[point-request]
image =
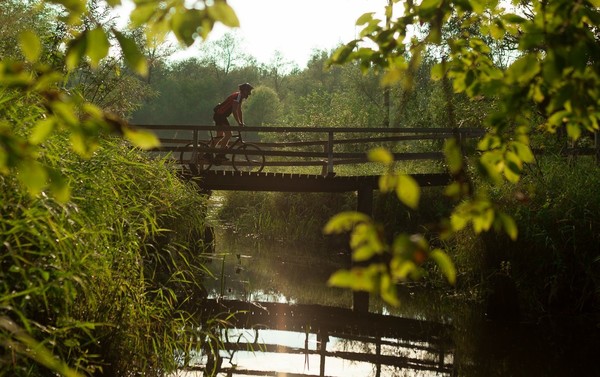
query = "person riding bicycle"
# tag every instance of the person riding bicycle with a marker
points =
(231, 105)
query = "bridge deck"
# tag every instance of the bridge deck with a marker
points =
(288, 182)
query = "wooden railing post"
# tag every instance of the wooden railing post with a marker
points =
(330, 154)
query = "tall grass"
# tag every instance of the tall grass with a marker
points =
(290, 217)
(555, 261)
(102, 281)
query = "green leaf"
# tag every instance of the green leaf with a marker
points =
(186, 25)
(365, 242)
(76, 51)
(402, 268)
(522, 151)
(408, 191)
(365, 18)
(388, 182)
(429, 5)
(30, 45)
(358, 278)
(573, 130)
(478, 6)
(134, 58)
(342, 53)
(513, 18)
(59, 186)
(445, 264)
(387, 290)
(345, 221)
(509, 225)
(453, 156)
(140, 138)
(459, 220)
(142, 14)
(33, 175)
(512, 167)
(381, 155)
(42, 130)
(524, 69)
(483, 221)
(97, 46)
(222, 12)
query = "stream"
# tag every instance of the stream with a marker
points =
(292, 279)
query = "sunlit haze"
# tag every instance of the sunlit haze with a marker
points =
(291, 27)
(296, 28)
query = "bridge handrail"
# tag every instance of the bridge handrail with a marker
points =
(328, 155)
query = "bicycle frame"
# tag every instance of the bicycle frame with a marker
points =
(244, 156)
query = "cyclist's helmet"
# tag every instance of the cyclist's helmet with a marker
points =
(246, 86)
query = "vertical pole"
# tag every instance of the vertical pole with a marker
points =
(364, 205)
(330, 154)
(323, 350)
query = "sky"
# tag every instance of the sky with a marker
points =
(295, 27)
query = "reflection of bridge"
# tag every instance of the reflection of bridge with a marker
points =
(386, 343)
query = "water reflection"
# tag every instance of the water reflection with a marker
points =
(247, 270)
(302, 340)
(302, 327)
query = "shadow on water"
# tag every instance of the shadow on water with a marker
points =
(289, 323)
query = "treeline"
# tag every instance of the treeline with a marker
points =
(185, 92)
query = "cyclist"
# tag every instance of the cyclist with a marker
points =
(231, 105)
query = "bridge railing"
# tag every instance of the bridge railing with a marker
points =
(323, 147)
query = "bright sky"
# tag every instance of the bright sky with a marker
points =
(296, 27)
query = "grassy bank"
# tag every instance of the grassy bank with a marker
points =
(101, 281)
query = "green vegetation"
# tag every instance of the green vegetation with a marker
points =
(95, 273)
(99, 269)
(103, 279)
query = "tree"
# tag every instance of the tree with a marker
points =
(87, 40)
(225, 55)
(553, 77)
(262, 107)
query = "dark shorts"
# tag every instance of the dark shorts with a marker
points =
(221, 120)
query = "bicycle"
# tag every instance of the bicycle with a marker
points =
(245, 156)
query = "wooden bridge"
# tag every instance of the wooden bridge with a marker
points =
(319, 161)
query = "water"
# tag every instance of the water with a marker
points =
(464, 343)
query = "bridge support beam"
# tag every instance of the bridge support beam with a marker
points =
(360, 300)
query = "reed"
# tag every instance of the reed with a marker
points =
(105, 281)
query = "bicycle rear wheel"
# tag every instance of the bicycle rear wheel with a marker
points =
(197, 161)
(249, 158)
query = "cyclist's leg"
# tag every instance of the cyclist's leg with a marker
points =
(223, 132)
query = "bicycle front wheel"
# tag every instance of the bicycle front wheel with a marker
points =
(249, 158)
(197, 161)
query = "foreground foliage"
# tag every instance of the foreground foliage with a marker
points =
(94, 277)
(101, 280)
(547, 85)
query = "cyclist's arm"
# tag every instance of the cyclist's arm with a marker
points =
(237, 113)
